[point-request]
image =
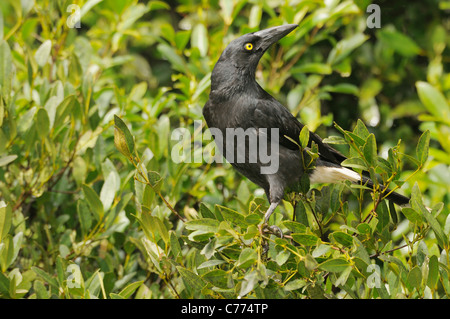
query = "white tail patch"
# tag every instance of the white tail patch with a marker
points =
(326, 174)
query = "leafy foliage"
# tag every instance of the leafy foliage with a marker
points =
(93, 204)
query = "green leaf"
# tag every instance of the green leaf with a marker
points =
(42, 123)
(41, 292)
(418, 206)
(6, 65)
(305, 239)
(318, 68)
(123, 140)
(295, 284)
(423, 146)
(130, 289)
(84, 217)
(344, 47)
(414, 278)
(334, 265)
(412, 215)
(43, 53)
(370, 150)
(47, 278)
(217, 277)
(383, 216)
(153, 226)
(176, 61)
(175, 245)
(93, 201)
(199, 38)
(433, 100)
(355, 162)
(233, 216)
(4, 286)
(304, 137)
(205, 212)
(342, 238)
(205, 224)
(294, 227)
(300, 214)
(247, 257)
(282, 257)
(191, 279)
(399, 42)
(5, 219)
(211, 263)
(433, 272)
(108, 191)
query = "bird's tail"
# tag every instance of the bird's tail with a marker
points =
(333, 173)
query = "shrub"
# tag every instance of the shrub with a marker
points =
(92, 204)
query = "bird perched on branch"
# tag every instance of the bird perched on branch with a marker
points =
(257, 134)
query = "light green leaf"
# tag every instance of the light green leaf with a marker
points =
(5, 219)
(399, 42)
(370, 150)
(5, 160)
(41, 292)
(205, 224)
(433, 100)
(130, 289)
(43, 53)
(233, 216)
(123, 140)
(6, 65)
(108, 192)
(319, 68)
(344, 47)
(412, 215)
(354, 162)
(199, 38)
(423, 146)
(42, 123)
(247, 257)
(304, 137)
(295, 284)
(282, 257)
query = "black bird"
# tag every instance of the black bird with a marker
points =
(237, 101)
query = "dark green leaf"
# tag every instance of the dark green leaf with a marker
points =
(93, 201)
(205, 224)
(305, 239)
(423, 147)
(217, 277)
(123, 139)
(342, 238)
(334, 265)
(233, 216)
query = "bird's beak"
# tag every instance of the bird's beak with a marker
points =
(272, 35)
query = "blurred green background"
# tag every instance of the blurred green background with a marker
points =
(68, 197)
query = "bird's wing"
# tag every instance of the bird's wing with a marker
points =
(269, 113)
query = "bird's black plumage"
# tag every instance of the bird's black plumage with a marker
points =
(237, 101)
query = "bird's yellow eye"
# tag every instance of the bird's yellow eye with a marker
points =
(248, 46)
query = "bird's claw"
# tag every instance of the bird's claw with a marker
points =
(272, 229)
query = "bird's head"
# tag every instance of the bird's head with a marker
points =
(244, 53)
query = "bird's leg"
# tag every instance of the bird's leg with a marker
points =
(274, 229)
(270, 211)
